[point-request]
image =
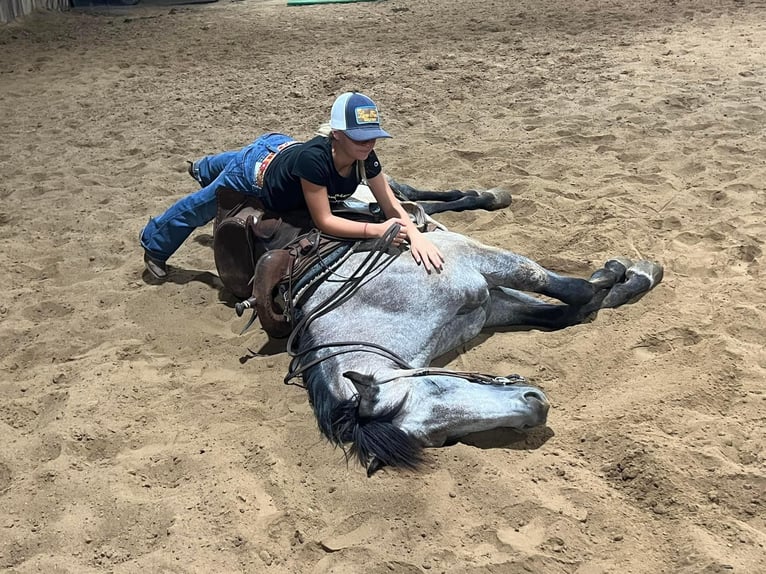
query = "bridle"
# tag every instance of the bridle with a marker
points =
(379, 257)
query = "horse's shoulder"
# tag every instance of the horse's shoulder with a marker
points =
(453, 241)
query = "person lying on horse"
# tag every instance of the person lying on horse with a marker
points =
(287, 175)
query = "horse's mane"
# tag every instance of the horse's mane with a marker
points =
(374, 442)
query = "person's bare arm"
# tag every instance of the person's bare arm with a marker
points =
(319, 208)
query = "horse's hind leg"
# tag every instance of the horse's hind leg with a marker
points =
(409, 193)
(491, 200)
(453, 200)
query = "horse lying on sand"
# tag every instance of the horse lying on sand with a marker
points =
(364, 334)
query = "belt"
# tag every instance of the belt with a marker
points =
(260, 167)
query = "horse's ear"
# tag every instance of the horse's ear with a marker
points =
(359, 378)
(367, 390)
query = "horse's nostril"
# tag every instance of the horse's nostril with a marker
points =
(534, 395)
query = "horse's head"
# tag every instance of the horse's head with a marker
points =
(444, 407)
(419, 408)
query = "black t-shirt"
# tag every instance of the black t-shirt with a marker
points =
(312, 161)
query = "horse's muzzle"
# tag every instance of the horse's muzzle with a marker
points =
(539, 406)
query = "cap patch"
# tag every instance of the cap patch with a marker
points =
(366, 115)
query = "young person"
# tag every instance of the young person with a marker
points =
(288, 175)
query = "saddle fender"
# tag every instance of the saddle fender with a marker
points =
(232, 248)
(270, 270)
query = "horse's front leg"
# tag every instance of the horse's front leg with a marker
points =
(509, 307)
(618, 282)
(506, 269)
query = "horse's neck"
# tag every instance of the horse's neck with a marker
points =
(342, 374)
(386, 312)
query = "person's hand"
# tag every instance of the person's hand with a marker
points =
(379, 230)
(426, 253)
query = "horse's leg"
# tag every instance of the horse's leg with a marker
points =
(452, 200)
(409, 193)
(640, 277)
(491, 200)
(509, 307)
(618, 282)
(507, 269)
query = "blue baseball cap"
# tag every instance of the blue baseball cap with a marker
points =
(357, 116)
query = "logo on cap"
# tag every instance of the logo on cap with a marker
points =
(366, 115)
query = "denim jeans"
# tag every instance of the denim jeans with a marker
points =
(163, 235)
(205, 170)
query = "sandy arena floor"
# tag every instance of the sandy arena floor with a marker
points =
(137, 438)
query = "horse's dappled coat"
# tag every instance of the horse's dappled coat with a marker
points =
(365, 399)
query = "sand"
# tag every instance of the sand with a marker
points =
(138, 432)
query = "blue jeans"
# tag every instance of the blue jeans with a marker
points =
(235, 170)
(205, 170)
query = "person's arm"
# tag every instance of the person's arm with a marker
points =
(423, 251)
(319, 208)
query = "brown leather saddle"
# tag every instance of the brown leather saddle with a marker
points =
(284, 277)
(243, 231)
(258, 253)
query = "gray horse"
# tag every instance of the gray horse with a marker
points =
(365, 337)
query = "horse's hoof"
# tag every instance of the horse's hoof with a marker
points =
(611, 273)
(605, 278)
(640, 278)
(649, 269)
(619, 266)
(497, 198)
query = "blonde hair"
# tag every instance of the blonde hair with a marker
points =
(324, 130)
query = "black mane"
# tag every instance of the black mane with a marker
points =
(374, 442)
